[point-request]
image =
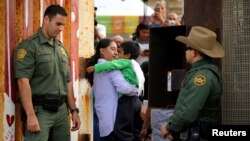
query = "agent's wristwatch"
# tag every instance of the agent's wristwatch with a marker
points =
(75, 110)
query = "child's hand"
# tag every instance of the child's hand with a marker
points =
(90, 69)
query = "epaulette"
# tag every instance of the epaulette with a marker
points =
(59, 42)
(32, 37)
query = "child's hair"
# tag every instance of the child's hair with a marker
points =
(131, 47)
(103, 43)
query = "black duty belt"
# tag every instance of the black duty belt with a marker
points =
(40, 100)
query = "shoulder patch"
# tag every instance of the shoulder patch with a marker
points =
(63, 51)
(199, 80)
(21, 53)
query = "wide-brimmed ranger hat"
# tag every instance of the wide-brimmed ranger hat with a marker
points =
(204, 41)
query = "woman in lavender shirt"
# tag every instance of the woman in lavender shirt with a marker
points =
(106, 86)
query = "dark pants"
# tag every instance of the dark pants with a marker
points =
(138, 122)
(128, 120)
(110, 137)
(54, 125)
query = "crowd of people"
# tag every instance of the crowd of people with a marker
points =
(118, 73)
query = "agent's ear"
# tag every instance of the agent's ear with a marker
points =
(195, 53)
(46, 19)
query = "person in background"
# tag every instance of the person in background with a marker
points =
(99, 29)
(198, 102)
(141, 36)
(44, 82)
(106, 86)
(173, 19)
(158, 19)
(118, 39)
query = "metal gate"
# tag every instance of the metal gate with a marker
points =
(236, 63)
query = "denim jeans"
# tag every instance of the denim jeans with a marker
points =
(158, 117)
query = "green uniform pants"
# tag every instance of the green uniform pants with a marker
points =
(53, 124)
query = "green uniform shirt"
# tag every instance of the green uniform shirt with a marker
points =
(44, 62)
(199, 97)
(124, 65)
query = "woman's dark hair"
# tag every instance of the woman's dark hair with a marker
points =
(132, 48)
(141, 26)
(103, 43)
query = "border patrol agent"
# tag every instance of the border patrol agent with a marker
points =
(43, 78)
(198, 103)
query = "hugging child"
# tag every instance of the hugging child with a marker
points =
(128, 120)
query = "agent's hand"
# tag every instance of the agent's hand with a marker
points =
(90, 69)
(76, 121)
(164, 132)
(33, 124)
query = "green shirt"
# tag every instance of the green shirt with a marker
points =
(124, 65)
(199, 97)
(44, 62)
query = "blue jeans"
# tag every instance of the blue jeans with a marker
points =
(158, 117)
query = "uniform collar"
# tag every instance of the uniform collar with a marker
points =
(43, 39)
(201, 62)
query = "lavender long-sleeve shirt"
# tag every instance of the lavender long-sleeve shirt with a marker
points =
(106, 87)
